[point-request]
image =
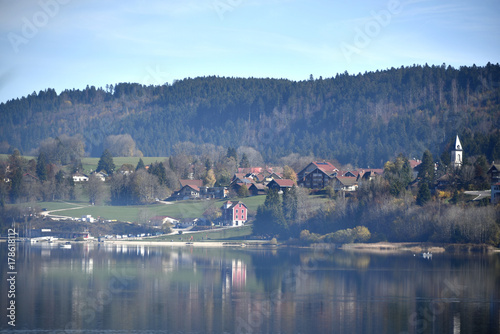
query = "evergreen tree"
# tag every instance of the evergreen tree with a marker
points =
(270, 219)
(106, 163)
(398, 173)
(159, 170)
(290, 204)
(41, 167)
(426, 169)
(140, 165)
(15, 185)
(244, 163)
(424, 194)
(208, 164)
(231, 153)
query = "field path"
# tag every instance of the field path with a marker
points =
(49, 212)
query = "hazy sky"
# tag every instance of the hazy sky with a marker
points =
(65, 44)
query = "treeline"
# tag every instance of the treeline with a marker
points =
(362, 119)
(49, 176)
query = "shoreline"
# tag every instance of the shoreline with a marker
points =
(379, 247)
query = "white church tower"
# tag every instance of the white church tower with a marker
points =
(457, 154)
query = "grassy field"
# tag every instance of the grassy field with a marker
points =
(179, 210)
(91, 163)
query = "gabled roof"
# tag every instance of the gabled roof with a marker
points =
(260, 177)
(414, 163)
(349, 173)
(250, 170)
(275, 175)
(195, 188)
(161, 218)
(346, 180)
(377, 171)
(232, 205)
(197, 183)
(325, 166)
(494, 167)
(258, 186)
(239, 176)
(282, 183)
(30, 175)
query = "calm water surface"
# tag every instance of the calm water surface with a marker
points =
(151, 289)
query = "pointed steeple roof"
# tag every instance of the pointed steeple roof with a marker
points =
(458, 145)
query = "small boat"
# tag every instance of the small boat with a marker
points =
(66, 245)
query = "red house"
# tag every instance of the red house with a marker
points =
(234, 213)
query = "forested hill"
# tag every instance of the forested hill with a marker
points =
(360, 119)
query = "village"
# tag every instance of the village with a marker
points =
(315, 176)
(318, 178)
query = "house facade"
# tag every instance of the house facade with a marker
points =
(316, 175)
(494, 173)
(188, 192)
(495, 193)
(234, 213)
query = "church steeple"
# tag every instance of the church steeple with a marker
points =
(457, 153)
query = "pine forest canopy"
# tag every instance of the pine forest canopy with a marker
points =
(363, 119)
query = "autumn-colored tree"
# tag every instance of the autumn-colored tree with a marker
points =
(289, 173)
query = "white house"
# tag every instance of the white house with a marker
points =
(80, 178)
(88, 219)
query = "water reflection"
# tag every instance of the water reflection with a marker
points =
(100, 287)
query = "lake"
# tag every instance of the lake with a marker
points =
(151, 289)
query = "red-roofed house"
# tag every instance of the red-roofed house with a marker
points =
(188, 191)
(414, 167)
(281, 184)
(345, 183)
(197, 183)
(316, 175)
(234, 213)
(369, 174)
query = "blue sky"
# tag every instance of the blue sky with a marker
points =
(66, 44)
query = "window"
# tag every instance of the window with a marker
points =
(236, 210)
(236, 216)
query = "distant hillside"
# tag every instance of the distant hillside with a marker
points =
(359, 119)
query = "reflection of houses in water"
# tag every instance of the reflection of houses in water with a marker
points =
(234, 277)
(238, 273)
(88, 265)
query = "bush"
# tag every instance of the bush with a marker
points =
(357, 234)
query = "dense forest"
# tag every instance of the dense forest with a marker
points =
(365, 119)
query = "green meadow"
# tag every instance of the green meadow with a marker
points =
(180, 210)
(90, 164)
